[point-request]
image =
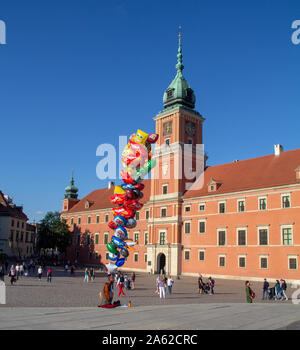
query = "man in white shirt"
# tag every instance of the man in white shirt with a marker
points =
(170, 283)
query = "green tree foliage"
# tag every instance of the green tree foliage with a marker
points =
(54, 233)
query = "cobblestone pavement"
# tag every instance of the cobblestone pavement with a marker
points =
(71, 291)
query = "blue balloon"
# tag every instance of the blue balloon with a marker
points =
(131, 223)
(117, 241)
(114, 257)
(119, 220)
(120, 262)
(127, 187)
(121, 232)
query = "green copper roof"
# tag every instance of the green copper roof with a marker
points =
(71, 191)
(179, 91)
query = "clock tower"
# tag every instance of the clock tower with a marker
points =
(179, 156)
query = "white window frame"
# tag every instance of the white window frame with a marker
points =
(166, 240)
(264, 257)
(222, 202)
(147, 211)
(293, 257)
(218, 230)
(162, 187)
(290, 199)
(242, 256)
(97, 219)
(136, 233)
(96, 234)
(201, 220)
(146, 233)
(145, 257)
(237, 204)
(187, 222)
(89, 219)
(187, 206)
(281, 229)
(200, 204)
(106, 214)
(135, 254)
(105, 234)
(161, 209)
(189, 251)
(258, 203)
(222, 256)
(199, 251)
(258, 240)
(241, 228)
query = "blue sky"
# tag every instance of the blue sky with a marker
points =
(75, 74)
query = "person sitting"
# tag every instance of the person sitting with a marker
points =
(105, 295)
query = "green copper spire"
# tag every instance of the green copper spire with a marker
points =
(71, 191)
(179, 92)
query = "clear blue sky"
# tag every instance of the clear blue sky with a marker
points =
(78, 73)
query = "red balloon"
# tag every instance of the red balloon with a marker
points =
(127, 213)
(118, 198)
(139, 186)
(112, 225)
(132, 205)
(126, 178)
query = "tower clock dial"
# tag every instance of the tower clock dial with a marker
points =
(167, 128)
(190, 128)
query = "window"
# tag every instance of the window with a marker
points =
(165, 189)
(147, 214)
(201, 207)
(17, 235)
(186, 255)
(212, 187)
(167, 141)
(79, 220)
(97, 219)
(106, 217)
(162, 238)
(287, 236)
(221, 237)
(187, 209)
(72, 221)
(22, 224)
(202, 226)
(105, 238)
(145, 258)
(26, 237)
(96, 238)
(241, 206)
(11, 235)
(187, 227)
(22, 235)
(106, 256)
(242, 261)
(190, 141)
(146, 238)
(136, 236)
(97, 255)
(262, 203)
(136, 257)
(222, 261)
(89, 220)
(12, 222)
(18, 224)
(241, 237)
(163, 212)
(222, 207)
(286, 202)
(201, 255)
(263, 236)
(293, 263)
(263, 262)
(137, 215)
(169, 94)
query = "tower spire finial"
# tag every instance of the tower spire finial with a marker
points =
(179, 65)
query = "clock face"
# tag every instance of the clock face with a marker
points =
(190, 128)
(167, 128)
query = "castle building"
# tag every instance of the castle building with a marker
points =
(241, 222)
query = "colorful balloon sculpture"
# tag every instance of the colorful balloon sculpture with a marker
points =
(137, 163)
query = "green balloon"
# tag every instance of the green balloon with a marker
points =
(111, 247)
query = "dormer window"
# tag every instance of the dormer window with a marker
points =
(297, 170)
(87, 204)
(213, 185)
(170, 94)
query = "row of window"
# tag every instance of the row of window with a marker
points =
(17, 223)
(136, 237)
(19, 236)
(241, 204)
(263, 234)
(263, 260)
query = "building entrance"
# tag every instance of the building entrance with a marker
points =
(161, 264)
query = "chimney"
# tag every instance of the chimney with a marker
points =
(277, 150)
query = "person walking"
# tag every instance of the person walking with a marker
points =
(66, 268)
(49, 275)
(211, 285)
(21, 267)
(170, 283)
(277, 290)
(72, 270)
(40, 272)
(132, 280)
(162, 288)
(200, 284)
(12, 274)
(121, 285)
(17, 271)
(265, 289)
(249, 293)
(283, 287)
(157, 287)
(86, 275)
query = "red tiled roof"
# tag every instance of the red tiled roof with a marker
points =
(255, 173)
(7, 210)
(99, 199)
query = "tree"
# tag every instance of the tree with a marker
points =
(54, 233)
